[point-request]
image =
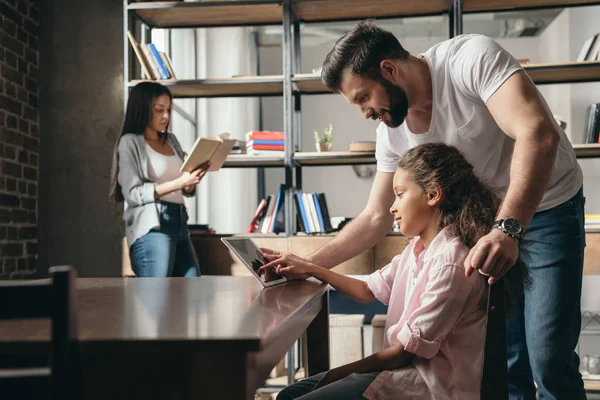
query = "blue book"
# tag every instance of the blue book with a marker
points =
(271, 142)
(303, 212)
(319, 213)
(162, 68)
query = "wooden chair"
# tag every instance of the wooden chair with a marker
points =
(494, 381)
(54, 298)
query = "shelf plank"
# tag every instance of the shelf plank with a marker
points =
(334, 10)
(309, 84)
(272, 85)
(224, 87)
(572, 72)
(176, 14)
(591, 385)
(508, 5)
(334, 158)
(252, 161)
(588, 150)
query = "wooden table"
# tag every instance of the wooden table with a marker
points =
(199, 338)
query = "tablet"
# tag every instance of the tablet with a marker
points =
(251, 256)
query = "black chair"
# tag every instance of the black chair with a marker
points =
(494, 382)
(54, 298)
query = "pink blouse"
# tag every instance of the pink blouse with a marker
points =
(436, 313)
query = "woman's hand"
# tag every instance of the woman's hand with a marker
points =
(188, 180)
(287, 264)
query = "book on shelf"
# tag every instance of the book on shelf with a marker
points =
(213, 149)
(592, 126)
(590, 49)
(362, 146)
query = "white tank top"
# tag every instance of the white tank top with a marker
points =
(162, 168)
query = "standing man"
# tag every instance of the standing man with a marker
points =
(471, 93)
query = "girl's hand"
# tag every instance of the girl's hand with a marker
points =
(287, 264)
(188, 180)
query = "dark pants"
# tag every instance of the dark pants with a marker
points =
(349, 388)
(541, 341)
(166, 251)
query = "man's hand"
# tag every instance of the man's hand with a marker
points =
(492, 255)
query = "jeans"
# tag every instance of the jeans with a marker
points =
(166, 251)
(349, 388)
(541, 340)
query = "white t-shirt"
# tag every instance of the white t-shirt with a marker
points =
(465, 71)
(162, 168)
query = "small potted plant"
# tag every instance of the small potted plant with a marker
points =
(324, 143)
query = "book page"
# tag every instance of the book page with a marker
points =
(202, 151)
(218, 159)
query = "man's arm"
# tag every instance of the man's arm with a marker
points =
(365, 230)
(520, 113)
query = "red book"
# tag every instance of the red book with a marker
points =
(257, 214)
(268, 147)
(264, 135)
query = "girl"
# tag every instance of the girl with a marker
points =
(146, 176)
(435, 328)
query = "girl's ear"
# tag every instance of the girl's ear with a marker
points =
(434, 196)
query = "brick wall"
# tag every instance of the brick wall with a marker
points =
(19, 137)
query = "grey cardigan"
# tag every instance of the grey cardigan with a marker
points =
(141, 208)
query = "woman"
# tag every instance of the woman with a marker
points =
(145, 175)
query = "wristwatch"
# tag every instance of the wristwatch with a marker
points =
(510, 226)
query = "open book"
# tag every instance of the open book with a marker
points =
(213, 149)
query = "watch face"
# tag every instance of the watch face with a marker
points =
(512, 226)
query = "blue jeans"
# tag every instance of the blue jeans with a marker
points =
(349, 388)
(166, 251)
(541, 340)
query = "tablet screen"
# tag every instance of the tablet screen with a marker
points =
(251, 255)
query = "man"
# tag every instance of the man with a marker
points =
(471, 93)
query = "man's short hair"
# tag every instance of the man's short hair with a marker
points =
(360, 51)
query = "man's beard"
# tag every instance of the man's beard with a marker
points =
(398, 103)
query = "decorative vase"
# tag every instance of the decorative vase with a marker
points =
(326, 146)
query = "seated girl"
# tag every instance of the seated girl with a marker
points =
(435, 328)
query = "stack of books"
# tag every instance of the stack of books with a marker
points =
(265, 143)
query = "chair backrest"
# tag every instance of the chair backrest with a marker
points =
(494, 382)
(54, 298)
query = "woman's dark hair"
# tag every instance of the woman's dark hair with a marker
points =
(467, 205)
(360, 51)
(137, 117)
